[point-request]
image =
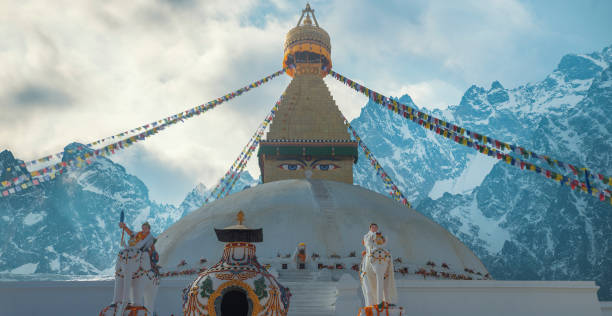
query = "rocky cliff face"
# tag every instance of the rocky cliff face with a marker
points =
(522, 225)
(69, 225)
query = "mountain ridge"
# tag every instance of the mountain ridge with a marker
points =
(520, 224)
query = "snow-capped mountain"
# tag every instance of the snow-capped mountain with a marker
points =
(69, 225)
(520, 224)
(196, 198)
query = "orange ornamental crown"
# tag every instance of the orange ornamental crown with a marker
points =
(307, 47)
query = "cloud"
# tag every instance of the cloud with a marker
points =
(408, 42)
(123, 64)
(348, 100)
(39, 95)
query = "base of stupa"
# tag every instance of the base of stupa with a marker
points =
(418, 297)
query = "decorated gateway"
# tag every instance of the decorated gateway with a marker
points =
(237, 284)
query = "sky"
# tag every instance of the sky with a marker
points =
(83, 70)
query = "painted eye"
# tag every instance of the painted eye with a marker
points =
(326, 166)
(290, 166)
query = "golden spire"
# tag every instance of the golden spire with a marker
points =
(308, 138)
(307, 20)
(240, 217)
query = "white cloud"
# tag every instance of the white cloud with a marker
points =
(124, 64)
(348, 100)
(466, 42)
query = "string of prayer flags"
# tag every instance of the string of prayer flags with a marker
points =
(147, 130)
(522, 164)
(51, 172)
(431, 122)
(497, 149)
(227, 182)
(189, 113)
(395, 193)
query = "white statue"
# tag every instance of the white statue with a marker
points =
(136, 275)
(377, 277)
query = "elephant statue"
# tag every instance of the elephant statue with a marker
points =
(376, 275)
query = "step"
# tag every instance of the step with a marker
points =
(309, 297)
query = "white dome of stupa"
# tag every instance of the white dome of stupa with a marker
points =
(330, 217)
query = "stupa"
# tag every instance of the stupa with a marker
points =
(308, 195)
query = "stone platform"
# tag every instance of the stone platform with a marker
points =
(418, 297)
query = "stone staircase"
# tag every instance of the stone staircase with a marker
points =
(308, 296)
(327, 204)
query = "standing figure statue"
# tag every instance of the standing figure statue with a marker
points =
(300, 257)
(377, 277)
(136, 275)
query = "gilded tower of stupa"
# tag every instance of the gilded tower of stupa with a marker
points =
(308, 138)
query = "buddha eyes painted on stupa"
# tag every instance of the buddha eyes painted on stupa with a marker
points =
(291, 166)
(325, 166)
(298, 164)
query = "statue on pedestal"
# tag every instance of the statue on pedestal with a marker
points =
(377, 275)
(136, 274)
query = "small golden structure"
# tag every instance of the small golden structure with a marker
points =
(240, 217)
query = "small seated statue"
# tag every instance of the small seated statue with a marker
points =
(300, 257)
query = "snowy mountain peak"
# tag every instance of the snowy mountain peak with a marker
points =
(497, 93)
(496, 85)
(6, 156)
(197, 197)
(72, 150)
(406, 99)
(520, 224)
(579, 67)
(200, 188)
(7, 160)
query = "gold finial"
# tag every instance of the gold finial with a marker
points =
(307, 20)
(240, 217)
(308, 12)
